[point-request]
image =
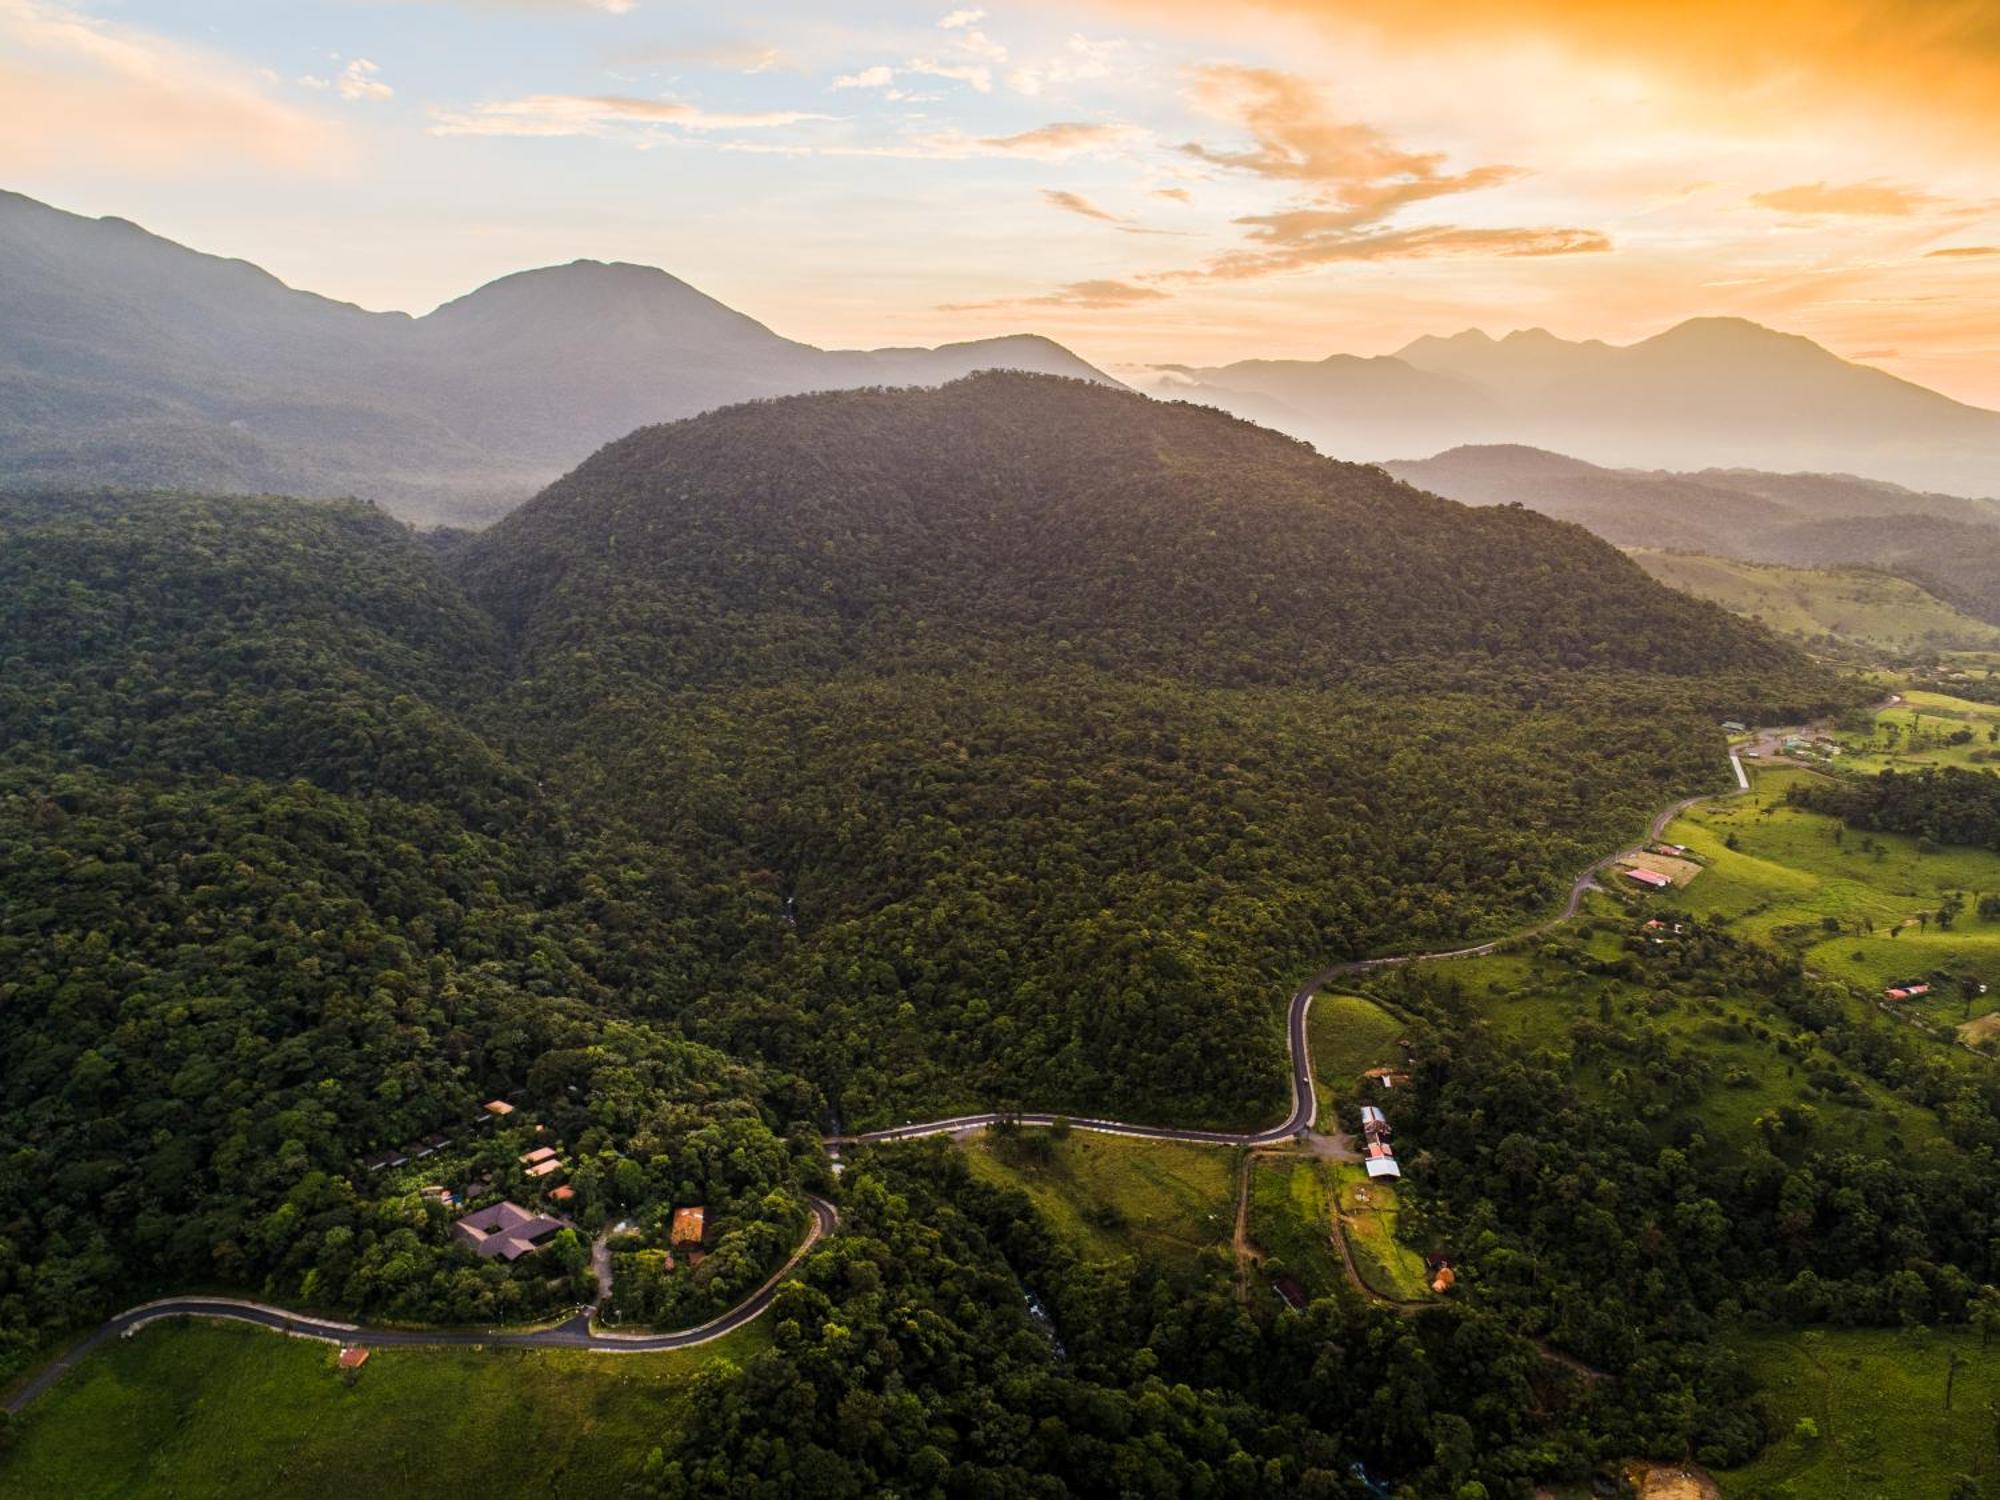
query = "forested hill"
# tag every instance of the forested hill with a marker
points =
(1005, 513)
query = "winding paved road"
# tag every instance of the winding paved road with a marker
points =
(578, 1332)
(575, 1332)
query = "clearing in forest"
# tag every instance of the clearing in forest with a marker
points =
(1368, 1219)
(1112, 1195)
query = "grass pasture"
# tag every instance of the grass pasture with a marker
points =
(1368, 1217)
(1875, 1399)
(1792, 873)
(1112, 1196)
(216, 1410)
(1868, 609)
(1917, 732)
(1291, 1218)
(1349, 1034)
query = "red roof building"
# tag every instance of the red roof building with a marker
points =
(1653, 880)
(688, 1226)
(352, 1358)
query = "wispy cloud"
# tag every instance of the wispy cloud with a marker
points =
(1076, 203)
(1349, 179)
(1062, 140)
(81, 93)
(1081, 59)
(1856, 198)
(359, 80)
(1099, 294)
(878, 77)
(1954, 251)
(976, 75)
(601, 115)
(960, 18)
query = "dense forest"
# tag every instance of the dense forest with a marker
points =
(833, 759)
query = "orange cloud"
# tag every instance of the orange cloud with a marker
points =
(1076, 294)
(1076, 203)
(1855, 198)
(1354, 179)
(1962, 250)
(1063, 139)
(81, 94)
(1935, 57)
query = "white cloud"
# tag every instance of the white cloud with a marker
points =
(878, 77)
(81, 94)
(358, 81)
(960, 18)
(600, 115)
(1081, 58)
(979, 44)
(978, 75)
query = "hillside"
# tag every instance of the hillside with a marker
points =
(1722, 392)
(1099, 649)
(127, 359)
(1845, 606)
(1947, 545)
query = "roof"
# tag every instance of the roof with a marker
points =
(497, 1107)
(352, 1358)
(544, 1168)
(562, 1194)
(1371, 1115)
(506, 1230)
(1377, 1149)
(540, 1153)
(1383, 1166)
(688, 1226)
(1652, 878)
(1443, 1280)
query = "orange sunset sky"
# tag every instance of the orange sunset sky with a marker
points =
(1147, 182)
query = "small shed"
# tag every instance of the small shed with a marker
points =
(539, 1154)
(562, 1194)
(546, 1167)
(352, 1358)
(688, 1227)
(1442, 1282)
(498, 1108)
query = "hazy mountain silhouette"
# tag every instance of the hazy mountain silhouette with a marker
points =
(128, 359)
(1720, 392)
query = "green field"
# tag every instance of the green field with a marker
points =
(1735, 1041)
(1113, 1195)
(1868, 609)
(1368, 1217)
(1793, 871)
(1291, 1219)
(1349, 1034)
(188, 1408)
(1917, 732)
(1876, 1400)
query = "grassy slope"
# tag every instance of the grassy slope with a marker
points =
(1291, 1218)
(1787, 874)
(1859, 605)
(1368, 1212)
(1349, 1034)
(191, 1408)
(1877, 1397)
(1931, 716)
(1113, 1196)
(1539, 1001)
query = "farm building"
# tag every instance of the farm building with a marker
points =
(505, 1230)
(1374, 1124)
(352, 1358)
(1906, 991)
(545, 1167)
(562, 1194)
(688, 1226)
(1389, 1078)
(1383, 1166)
(539, 1154)
(1730, 726)
(1652, 880)
(498, 1108)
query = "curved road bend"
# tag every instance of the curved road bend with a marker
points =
(578, 1332)
(574, 1333)
(1305, 1100)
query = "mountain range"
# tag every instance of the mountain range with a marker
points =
(127, 359)
(1720, 392)
(1948, 544)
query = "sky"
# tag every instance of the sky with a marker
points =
(1148, 181)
